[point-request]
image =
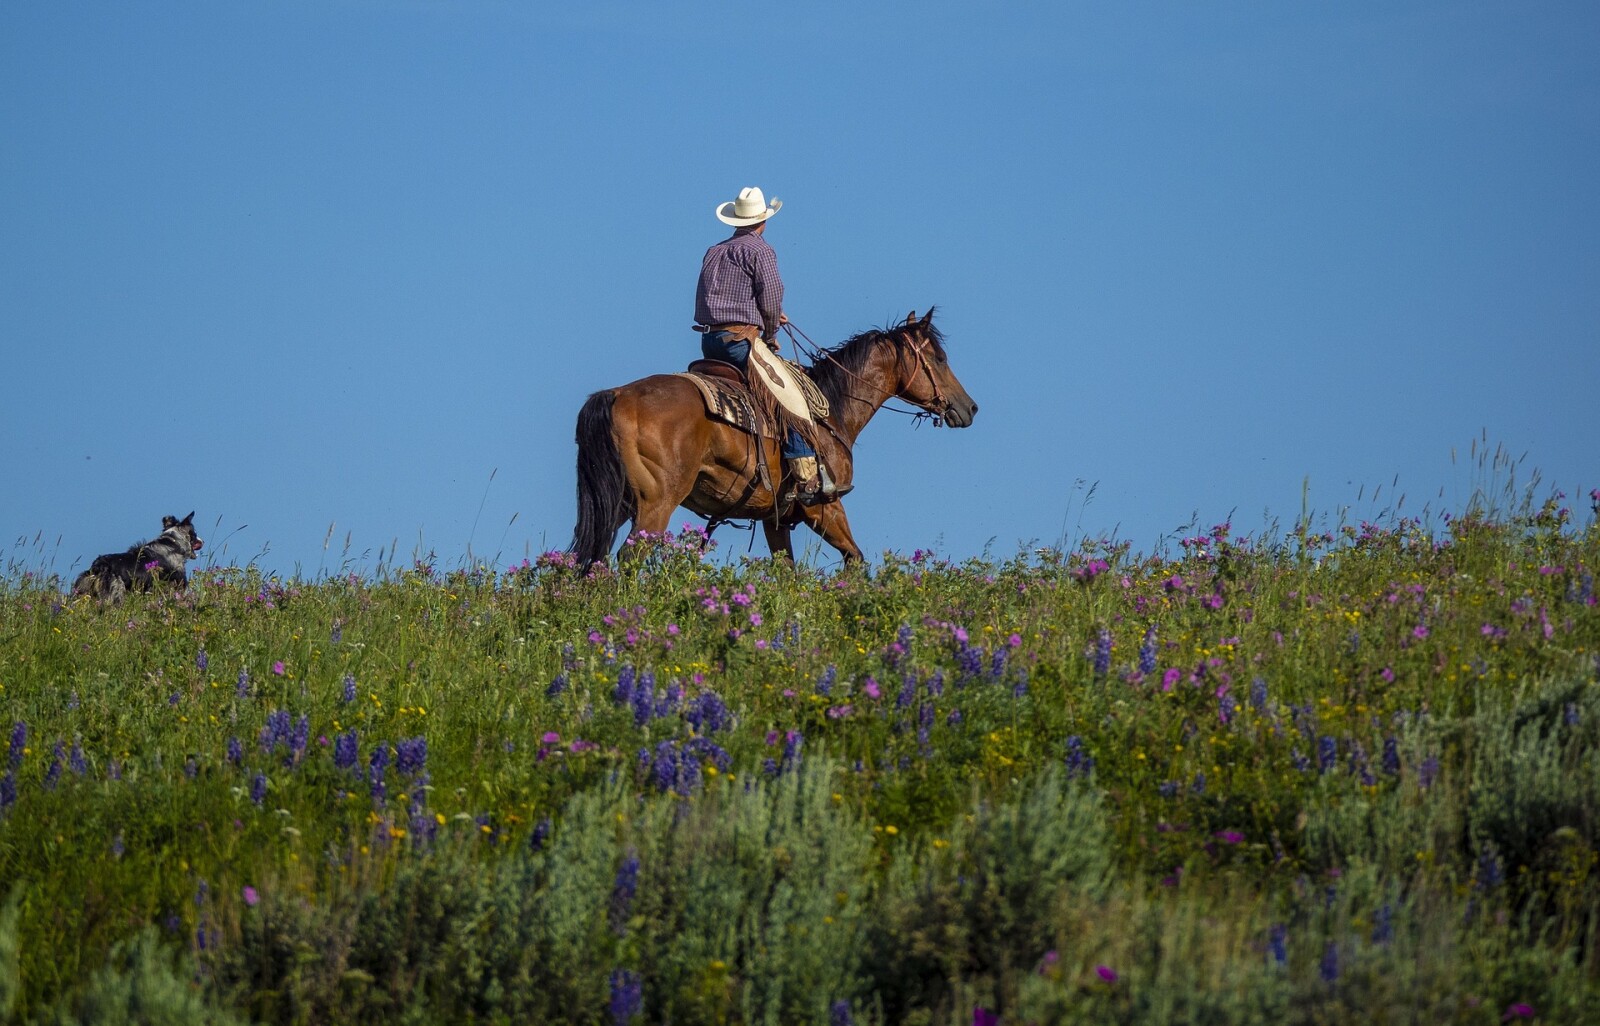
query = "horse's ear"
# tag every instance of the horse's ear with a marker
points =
(927, 318)
(911, 318)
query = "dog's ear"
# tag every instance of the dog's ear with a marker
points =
(190, 518)
(168, 521)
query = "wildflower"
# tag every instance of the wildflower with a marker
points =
(871, 688)
(349, 694)
(708, 714)
(8, 790)
(623, 890)
(1170, 678)
(1490, 873)
(1330, 963)
(1079, 762)
(1106, 973)
(376, 764)
(1278, 943)
(201, 660)
(19, 743)
(242, 688)
(117, 847)
(983, 1017)
(1383, 925)
(250, 896)
(627, 996)
(539, 834)
(644, 696)
(557, 686)
(258, 789)
(410, 756)
(1518, 1010)
(825, 682)
(1229, 836)
(1147, 651)
(791, 749)
(1390, 760)
(1258, 694)
(1428, 772)
(839, 1014)
(278, 668)
(1327, 753)
(53, 774)
(346, 750)
(77, 763)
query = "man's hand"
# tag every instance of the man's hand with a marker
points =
(783, 319)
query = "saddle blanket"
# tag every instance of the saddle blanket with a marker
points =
(731, 404)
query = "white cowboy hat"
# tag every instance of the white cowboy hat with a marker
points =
(750, 208)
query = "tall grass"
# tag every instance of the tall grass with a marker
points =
(1347, 774)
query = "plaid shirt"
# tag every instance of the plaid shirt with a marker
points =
(739, 284)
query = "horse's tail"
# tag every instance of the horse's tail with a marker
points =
(605, 502)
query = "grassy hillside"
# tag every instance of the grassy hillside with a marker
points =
(1306, 780)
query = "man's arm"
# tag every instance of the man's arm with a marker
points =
(767, 287)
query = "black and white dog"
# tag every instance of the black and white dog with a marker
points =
(161, 559)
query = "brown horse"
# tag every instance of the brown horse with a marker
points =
(646, 448)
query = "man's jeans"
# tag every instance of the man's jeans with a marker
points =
(720, 345)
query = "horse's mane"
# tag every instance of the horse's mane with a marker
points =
(836, 369)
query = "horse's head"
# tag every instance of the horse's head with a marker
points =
(925, 377)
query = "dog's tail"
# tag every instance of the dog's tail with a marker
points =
(605, 502)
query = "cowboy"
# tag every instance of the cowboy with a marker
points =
(739, 303)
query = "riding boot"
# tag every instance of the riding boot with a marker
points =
(807, 481)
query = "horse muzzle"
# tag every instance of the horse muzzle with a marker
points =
(959, 414)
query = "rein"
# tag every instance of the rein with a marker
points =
(816, 353)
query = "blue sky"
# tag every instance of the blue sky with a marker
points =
(346, 270)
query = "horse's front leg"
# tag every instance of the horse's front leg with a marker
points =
(829, 521)
(778, 541)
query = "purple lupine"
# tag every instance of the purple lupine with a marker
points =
(1147, 651)
(1327, 753)
(623, 890)
(997, 664)
(953, 718)
(839, 1014)
(1258, 694)
(72, 701)
(76, 762)
(1391, 756)
(539, 834)
(299, 738)
(644, 698)
(825, 682)
(1199, 785)
(1569, 714)
(705, 748)
(349, 694)
(622, 694)
(1079, 762)
(908, 690)
(1383, 925)
(708, 714)
(53, 774)
(191, 769)
(8, 790)
(19, 742)
(410, 756)
(1278, 943)
(557, 686)
(336, 635)
(1490, 873)
(1428, 772)
(201, 660)
(1102, 653)
(664, 766)
(1330, 963)
(258, 789)
(627, 996)
(242, 688)
(792, 740)
(346, 750)
(235, 751)
(969, 660)
(935, 684)
(376, 764)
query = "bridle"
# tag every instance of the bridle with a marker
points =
(935, 410)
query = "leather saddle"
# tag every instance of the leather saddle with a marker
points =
(727, 397)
